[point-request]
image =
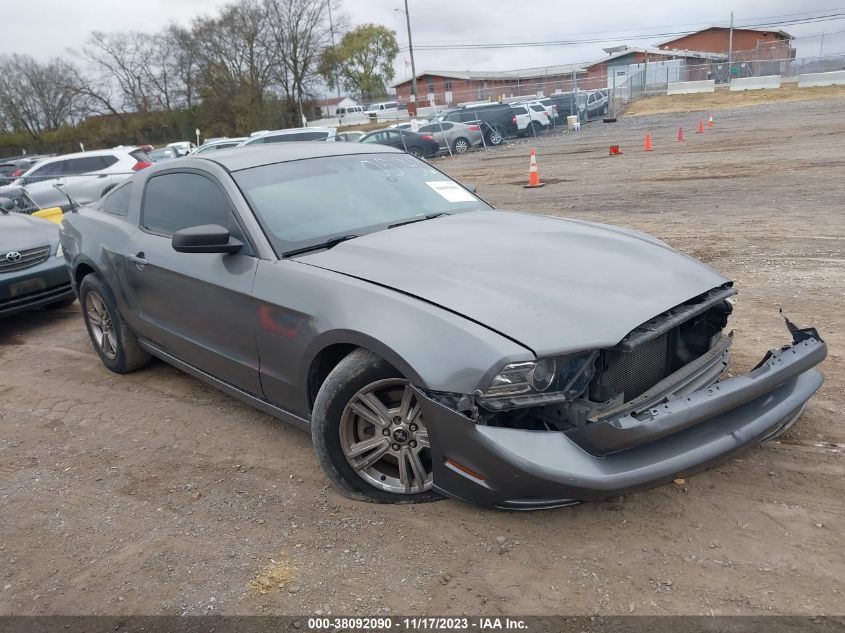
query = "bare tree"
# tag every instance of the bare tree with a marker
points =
(301, 30)
(36, 97)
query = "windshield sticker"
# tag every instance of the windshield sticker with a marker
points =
(451, 191)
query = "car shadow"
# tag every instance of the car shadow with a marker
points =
(14, 328)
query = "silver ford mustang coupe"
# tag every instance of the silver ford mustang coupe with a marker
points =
(431, 344)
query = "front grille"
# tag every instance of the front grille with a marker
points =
(29, 257)
(634, 372)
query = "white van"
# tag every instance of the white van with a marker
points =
(384, 105)
(343, 111)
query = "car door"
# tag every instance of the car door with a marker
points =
(41, 185)
(196, 307)
(85, 179)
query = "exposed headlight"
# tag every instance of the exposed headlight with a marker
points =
(556, 379)
(59, 251)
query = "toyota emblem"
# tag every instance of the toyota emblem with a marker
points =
(13, 257)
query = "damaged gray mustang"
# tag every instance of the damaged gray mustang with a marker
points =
(431, 344)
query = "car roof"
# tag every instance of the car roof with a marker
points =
(238, 158)
(95, 152)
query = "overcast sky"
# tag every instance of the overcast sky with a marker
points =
(47, 28)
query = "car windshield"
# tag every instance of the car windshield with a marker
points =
(308, 202)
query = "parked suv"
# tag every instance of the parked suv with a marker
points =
(598, 102)
(85, 176)
(495, 119)
(530, 118)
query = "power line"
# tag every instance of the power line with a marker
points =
(634, 36)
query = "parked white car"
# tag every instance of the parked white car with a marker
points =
(85, 176)
(210, 147)
(292, 134)
(183, 147)
(531, 118)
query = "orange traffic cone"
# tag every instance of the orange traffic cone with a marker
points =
(533, 174)
(680, 134)
(700, 129)
(648, 142)
(710, 122)
(615, 150)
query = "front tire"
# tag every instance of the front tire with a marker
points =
(369, 435)
(113, 340)
(495, 137)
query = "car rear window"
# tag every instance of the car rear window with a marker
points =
(117, 202)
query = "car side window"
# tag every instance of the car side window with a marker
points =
(117, 202)
(50, 170)
(107, 161)
(177, 201)
(83, 165)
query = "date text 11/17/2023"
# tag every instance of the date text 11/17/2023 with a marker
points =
(421, 623)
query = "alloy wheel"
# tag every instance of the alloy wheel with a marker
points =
(102, 326)
(461, 146)
(495, 137)
(384, 439)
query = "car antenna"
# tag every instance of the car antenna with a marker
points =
(59, 186)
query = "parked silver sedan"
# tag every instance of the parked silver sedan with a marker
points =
(459, 136)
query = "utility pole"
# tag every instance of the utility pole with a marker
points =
(731, 43)
(331, 31)
(821, 46)
(411, 51)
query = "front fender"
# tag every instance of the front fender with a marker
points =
(303, 309)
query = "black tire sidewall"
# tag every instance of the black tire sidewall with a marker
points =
(92, 282)
(455, 146)
(358, 370)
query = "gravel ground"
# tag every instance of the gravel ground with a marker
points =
(153, 493)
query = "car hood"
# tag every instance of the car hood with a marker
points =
(19, 232)
(553, 285)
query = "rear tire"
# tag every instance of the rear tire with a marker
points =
(416, 152)
(495, 137)
(369, 435)
(460, 146)
(113, 340)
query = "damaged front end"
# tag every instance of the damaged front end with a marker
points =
(593, 424)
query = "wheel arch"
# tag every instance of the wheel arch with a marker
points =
(81, 268)
(328, 350)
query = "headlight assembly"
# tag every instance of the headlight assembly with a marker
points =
(59, 251)
(542, 381)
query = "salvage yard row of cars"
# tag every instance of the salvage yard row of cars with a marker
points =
(359, 293)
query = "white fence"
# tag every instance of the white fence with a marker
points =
(811, 80)
(768, 82)
(691, 87)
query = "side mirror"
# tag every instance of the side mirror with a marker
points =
(208, 238)
(6, 204)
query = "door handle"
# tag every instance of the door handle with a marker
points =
(138, 260)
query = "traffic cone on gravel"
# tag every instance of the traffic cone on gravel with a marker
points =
(680, 134)
(533, 174)
(700, 129)
(648, 142)
(710, 122)
(615, 150)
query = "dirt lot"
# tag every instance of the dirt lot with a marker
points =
(152, 493)
(725, 99)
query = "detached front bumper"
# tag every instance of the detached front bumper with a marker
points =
(520, 469)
